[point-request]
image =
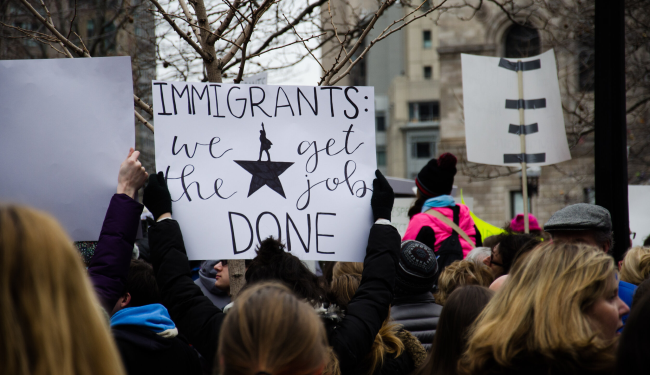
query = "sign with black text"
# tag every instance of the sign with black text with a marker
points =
(245, 162)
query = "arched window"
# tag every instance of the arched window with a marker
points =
(522, 41)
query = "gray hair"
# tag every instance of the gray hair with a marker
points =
(478, 254)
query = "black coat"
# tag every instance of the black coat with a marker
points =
(419, 315)
(200, 321)
(144, 352)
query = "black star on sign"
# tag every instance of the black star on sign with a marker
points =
(265, 173)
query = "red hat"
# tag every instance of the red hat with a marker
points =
(517, 224)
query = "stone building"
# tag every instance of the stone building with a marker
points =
(417, 77)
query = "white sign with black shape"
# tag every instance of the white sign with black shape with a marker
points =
(491, 106)
(244, 162)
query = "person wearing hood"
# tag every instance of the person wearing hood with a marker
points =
(214, 281)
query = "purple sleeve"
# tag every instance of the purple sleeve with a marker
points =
(109, 266)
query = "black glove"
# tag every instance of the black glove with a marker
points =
(382, 197)
(156, 195)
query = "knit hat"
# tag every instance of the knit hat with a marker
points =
(517, 224)
(581, 216)
(416, 270)
(437, 177)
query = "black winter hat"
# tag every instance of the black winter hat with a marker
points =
(437, 177)
(416, 270)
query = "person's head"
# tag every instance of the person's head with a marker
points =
(416, 270)
(633, 353)
(270, 330)
(478, 254)
(509, 247)
(585, 223)
(491, 241)
(458, 274)
(141, 287)
(50, 318)
(347, 268)
(435, 179)
(641, 291)
(273, 263)
(561, 301)
(461, 310)
(636, 265)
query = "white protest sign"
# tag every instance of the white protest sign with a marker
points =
(66, 126)
(639, 207)
(491, 102)
(244, 162)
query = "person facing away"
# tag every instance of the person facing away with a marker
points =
(144, 333)
(434, 184)
(461, 310)
(350, 337)
(414, 306)
(590, 224)
(55, 326)
(458, 274)
(559, 313)
(268, 330)
(394, 350)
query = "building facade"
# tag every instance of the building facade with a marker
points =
(417, 77)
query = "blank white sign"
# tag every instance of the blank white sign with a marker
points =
(66, 125)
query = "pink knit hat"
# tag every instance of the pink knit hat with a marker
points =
(517, 224)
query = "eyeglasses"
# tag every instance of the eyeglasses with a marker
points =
(224, 262)
(495, 263)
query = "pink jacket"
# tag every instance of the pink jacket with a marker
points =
(441, 230)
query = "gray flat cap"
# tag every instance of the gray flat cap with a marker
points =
(581, 216)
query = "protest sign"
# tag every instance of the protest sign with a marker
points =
(639, 205)
(491, 103)
(67, 124)
(244, 162)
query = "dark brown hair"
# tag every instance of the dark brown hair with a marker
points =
(461, 310)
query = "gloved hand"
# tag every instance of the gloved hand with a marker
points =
(156, 196)
(382, 197)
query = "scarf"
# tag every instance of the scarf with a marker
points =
(439, 201)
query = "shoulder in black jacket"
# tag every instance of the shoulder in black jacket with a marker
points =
(144, 352)
(419, 315)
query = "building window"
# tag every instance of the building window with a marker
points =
(427, 72)
(426, 5)
(90, 28)
(381, 156)
(426, 39)
(424, 111)
(522, 41)
(517, 203)
(421, 146)
(589, 194)
(380, 121)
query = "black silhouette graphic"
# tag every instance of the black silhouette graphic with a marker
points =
(265, 144)
(265, 172)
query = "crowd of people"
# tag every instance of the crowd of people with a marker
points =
(440, 300)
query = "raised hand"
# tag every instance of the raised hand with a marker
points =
(132, 175)
(156, 196)
(382, 197)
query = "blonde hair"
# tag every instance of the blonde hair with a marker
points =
(50, 320)
(269, 329)
(636, 265)
(540, 313)
(345, 282)
(461, 273)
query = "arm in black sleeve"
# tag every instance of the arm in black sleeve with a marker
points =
(354, 336)
(194, 314)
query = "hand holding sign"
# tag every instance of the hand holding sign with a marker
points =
(156, 196)
(382, 197)
(132, 175)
